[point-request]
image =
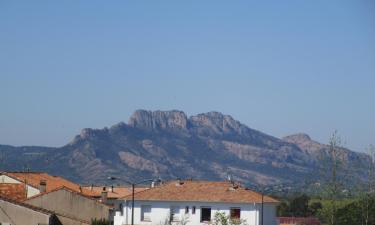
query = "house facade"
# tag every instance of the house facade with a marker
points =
(197, 202)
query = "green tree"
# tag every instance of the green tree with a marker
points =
(353, 213)
(366, 189)
(220, 218)
(315, 207)
(299, 206)
(333, 167)
(100, 222)
(283, 209)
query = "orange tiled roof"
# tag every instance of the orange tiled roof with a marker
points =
(52, 182)
(117, 192)
(201, 191)
(14, 191)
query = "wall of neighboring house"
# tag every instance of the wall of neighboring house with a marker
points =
(161, 210)
(68, 221)
(71, 204)
(16, 214)
(8, 180)
(31, 191)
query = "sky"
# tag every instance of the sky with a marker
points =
(281, 67)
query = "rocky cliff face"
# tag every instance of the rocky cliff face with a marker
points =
(171, 145)
(158, 120)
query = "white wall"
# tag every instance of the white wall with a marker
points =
(8, 180)
(160, 211)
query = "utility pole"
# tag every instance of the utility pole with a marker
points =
(133, 184)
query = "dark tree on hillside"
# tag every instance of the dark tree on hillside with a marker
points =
(299, 206)
(283, 209)
(315, 207)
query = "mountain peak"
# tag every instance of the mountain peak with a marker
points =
(297, 138)
(172, 119)
(217, 122)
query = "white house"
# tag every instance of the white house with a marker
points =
(197, 202)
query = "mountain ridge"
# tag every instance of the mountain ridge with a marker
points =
(170, 144)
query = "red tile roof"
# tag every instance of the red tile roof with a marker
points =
(115, 193)
(298, 220)
(201, 191)
(13, 191)
(34, 179)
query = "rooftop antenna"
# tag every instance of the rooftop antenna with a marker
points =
(229, 176)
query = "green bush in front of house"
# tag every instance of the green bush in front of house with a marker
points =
(220, 218)
(100, 222)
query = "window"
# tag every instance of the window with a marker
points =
(205, 214)
(175, 213)
(193, 210)
(145, 213)
(187, 210)
(235, 213)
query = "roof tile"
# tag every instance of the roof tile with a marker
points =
(201, 191)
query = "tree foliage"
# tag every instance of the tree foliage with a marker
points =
(220, 218)
(100, 222)
(353, 213)
(299, 207)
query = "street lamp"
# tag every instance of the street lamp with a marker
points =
(133, 184)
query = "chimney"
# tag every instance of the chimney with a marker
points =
(152, 184)
(91, 187)
(42, 186)
(180, 182)
(104, 196)
(111, 189)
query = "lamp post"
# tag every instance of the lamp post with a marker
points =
(262, 206)
(133, 184)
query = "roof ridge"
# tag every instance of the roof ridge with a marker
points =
(214, 191)
(67, 189)
(35, 208)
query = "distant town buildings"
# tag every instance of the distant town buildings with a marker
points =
(33, 198)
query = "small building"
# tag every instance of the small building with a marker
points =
(65, 201)
(196, 202)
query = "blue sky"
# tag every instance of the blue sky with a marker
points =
(278, 66)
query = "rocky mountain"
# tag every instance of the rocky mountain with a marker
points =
(171, 145)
